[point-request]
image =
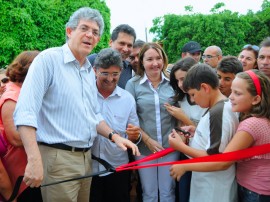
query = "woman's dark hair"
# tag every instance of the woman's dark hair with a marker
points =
(17, 70)
(184, 65)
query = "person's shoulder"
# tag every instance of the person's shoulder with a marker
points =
(50, 52)
(127, 64)
(92, 58)
(255, 120)
(125, 94)
(223, 107)
(135, 78)
(93, 55)
(133, 82)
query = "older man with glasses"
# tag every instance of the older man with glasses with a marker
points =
(58, 115)
(118, 108)
(212, 55)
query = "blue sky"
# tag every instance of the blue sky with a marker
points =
(140, 13)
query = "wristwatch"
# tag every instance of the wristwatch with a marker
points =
(111, 134)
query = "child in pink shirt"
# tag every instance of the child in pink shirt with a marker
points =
(250, 97)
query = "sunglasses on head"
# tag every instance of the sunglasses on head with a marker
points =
(254, 47)
(5, 80)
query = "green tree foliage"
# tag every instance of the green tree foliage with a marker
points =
(223, 28)
(40, 24)
(217, 7)
(189, 8)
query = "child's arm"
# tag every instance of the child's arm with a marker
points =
(241, 140)
(179, 114)
(177, 143)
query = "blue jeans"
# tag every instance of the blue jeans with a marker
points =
(184, 184)
(245, 195)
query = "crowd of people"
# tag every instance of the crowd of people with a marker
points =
(65, 110)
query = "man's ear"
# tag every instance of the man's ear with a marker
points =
(257, 99)
(110, 43)
(95, 69)
(205, 87)
(183, 55)
(68, 31)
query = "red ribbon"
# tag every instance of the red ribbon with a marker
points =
(228, 156)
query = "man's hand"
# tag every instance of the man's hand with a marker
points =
(133, 132)
(33, 175)
(124, 143)
(104, 129)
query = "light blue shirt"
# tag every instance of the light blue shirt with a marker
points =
(118, 110)
(59, 99)
(153, 117)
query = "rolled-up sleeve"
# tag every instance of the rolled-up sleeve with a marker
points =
(31, 94)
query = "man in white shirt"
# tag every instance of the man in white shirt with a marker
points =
(119, 111)
(58, 108)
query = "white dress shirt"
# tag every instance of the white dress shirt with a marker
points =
(59, 99)
(118, 110)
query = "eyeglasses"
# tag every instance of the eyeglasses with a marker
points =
(106, 74)
(85, 29)
(209, 56)
(254, 47)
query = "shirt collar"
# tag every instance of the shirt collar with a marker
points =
(116, 92)
(69, 57)
(145, 78)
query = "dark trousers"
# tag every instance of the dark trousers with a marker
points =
(135, 176)
(113, 187)
(183, 186)
(30, 195)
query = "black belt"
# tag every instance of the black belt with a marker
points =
(65, 147)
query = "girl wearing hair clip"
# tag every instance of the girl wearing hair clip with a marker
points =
(250, 97)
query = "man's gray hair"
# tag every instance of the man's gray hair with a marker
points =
(88, 14)
(108, 57)
(265, 42)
